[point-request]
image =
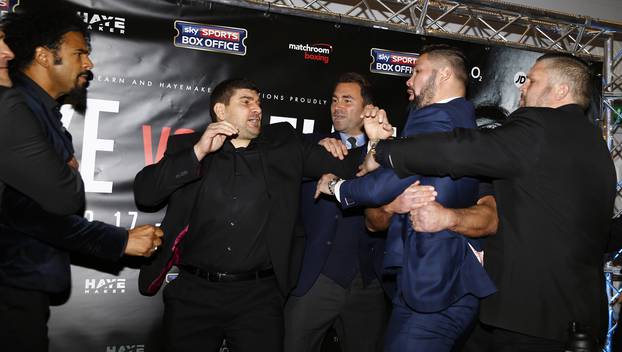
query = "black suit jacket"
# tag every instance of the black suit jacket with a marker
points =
(28, 162)
(286, 158)
(33, 241)
(555, 187)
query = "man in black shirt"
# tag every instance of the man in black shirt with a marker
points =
(237, 186)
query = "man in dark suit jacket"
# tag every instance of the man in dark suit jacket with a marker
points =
(340, 281)
(34, 244)
(232, 195)
(440, 279)
(27, 161)
(554, 185)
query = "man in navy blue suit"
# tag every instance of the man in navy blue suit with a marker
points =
(338, 284)
(440, 278)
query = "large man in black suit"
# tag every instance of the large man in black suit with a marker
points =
(555, 186)
(232, 195)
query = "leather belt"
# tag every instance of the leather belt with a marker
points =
(227, 277)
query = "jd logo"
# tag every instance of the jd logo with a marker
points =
(520, 78)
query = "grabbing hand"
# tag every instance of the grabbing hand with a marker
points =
(213, 138)
(413, 197)
(376, 123)
(432, 217)
(322, 185)
(143, 240)
(369, 164)
(335, 147)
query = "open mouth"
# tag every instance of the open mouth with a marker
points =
(254, 121)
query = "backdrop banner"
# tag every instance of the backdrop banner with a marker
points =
(156, 62)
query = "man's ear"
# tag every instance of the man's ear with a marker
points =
(43, 56)
(219, 109)
(561, 91)
(444, 73)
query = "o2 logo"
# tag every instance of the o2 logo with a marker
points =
(476, 73)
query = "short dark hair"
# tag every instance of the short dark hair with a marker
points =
(39, 26)
(572, 71)
(224, 90)
(363, 83)
(454, 57)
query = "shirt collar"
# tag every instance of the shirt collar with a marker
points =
(446, 100)
(31, 88)
(360, 139)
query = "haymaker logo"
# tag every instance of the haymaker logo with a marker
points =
(314, 52)
(8, 6)
(103, 23)
(125, 348)
(226, 40)
(104, 286)
(392, 62)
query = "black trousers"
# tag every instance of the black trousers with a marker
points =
(23, 320)
(199, 314)
(359, 315)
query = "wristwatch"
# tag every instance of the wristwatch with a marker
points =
(372, 147)
(331, 185)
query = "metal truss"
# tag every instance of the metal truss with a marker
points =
(490, 22)
(612, 118)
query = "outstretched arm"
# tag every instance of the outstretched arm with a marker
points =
(503, 152)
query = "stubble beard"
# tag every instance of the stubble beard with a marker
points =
(427, 92)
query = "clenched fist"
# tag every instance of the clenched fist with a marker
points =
(143, 240)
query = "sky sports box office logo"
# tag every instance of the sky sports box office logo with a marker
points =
(226, 40)
(8, 6)
(389, 62)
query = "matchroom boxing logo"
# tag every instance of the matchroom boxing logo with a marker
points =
(389, 62)
(226, 40)
(314, 52)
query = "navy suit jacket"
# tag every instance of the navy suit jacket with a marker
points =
(437, 269)
(323, 219)
(34, 244)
